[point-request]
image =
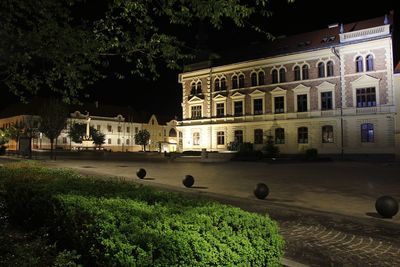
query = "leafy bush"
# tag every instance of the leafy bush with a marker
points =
(117, 223)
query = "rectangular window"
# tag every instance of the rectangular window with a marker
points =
(279, 136)
(239, 136)
(326, 100)
(367, 133)
(128, 129)
(258, 136)
(301, 103)
(109, 141)
(220, 109)
(279, 104)
(196, 138)
(366, 97)
(238, 106)
(109, 128)
(98, 127)
(257, 106)
(221, 138)
(119, 129)
(327, 134)
(127, 141)
(302, 135)
(196, 112)
(136, 130)
(64, 140)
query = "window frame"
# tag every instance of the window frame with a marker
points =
(279, 136)
(367, 133)
(302, 135)
(327, 134)
(220, 138)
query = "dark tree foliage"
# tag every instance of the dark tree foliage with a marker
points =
(62, 46)
(142, 138)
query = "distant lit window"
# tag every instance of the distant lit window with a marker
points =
(258, 136)
(321, 70)
(359, 64)
(221, 138)
(329, 69)
(305, 72)
(279, 136)
(367, 133)
(327, 134)
(369, 60)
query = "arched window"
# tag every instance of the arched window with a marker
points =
(329, 68)
(369, 60)
(282, 75)
(279, 136)
(216, 85)
(198, 88)
(241, 81)
(305, 72)
(172, 133)
(274, 77)
(297, 73)
(193, 90)
(367, 133)
(321, 70)
(327, 134)
(254, 79)
(302, 135)
(223, 84)
(235, 84)
(261, 78)
(359, 64)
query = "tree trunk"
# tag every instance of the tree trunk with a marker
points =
(51, 148)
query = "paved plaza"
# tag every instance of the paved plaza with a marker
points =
(325, 210)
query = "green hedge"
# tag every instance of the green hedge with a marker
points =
(117, 223)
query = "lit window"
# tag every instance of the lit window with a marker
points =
(279, 136)
(321, 70)
(369, 62)
(257, 106)
(221, 138)
(196, 138)
(302, 135)
(238, 136)
(359, 64)
(196, 112)
(366, 97)
(367, 133)
(327, 134)
(326, 100)
(258, 136)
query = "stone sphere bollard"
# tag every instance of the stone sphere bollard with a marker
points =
(261, 191)
(386, 206)
(188, 181)
(141, 173)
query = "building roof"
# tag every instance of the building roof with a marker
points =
(303, 42)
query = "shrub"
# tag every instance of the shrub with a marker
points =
(117, 223)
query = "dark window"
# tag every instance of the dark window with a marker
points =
(109, 141)
(327, 134)
(118, 141)
(261, 78)
(235, 84)
(98, 127)
(305, 72)
(241, 81)
(220, 108)
(329, 68)
(326, 100)
(367, 132)
(254, 79)
(223, 84)
(321, 70)
(282, 75)
(239, 136)
(258, 136)
(196, 112)
(109, 128)
(366, 97)
(64, 140)
(216, 85)
(128, 129)
(193, 90)
(198, 90)
(257, 106)
(220, 138)
(172, 133)
(279, 104)
(274, 77)
(297, 73)
(302, 135)
(359, 64)
(238, 108)
(119, 129)
(301, 103)
(279, 136)
(369, 62)
(127, 141)
(196, 138)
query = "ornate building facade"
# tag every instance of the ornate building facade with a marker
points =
(334, 90)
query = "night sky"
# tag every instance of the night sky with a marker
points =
(164, 95)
